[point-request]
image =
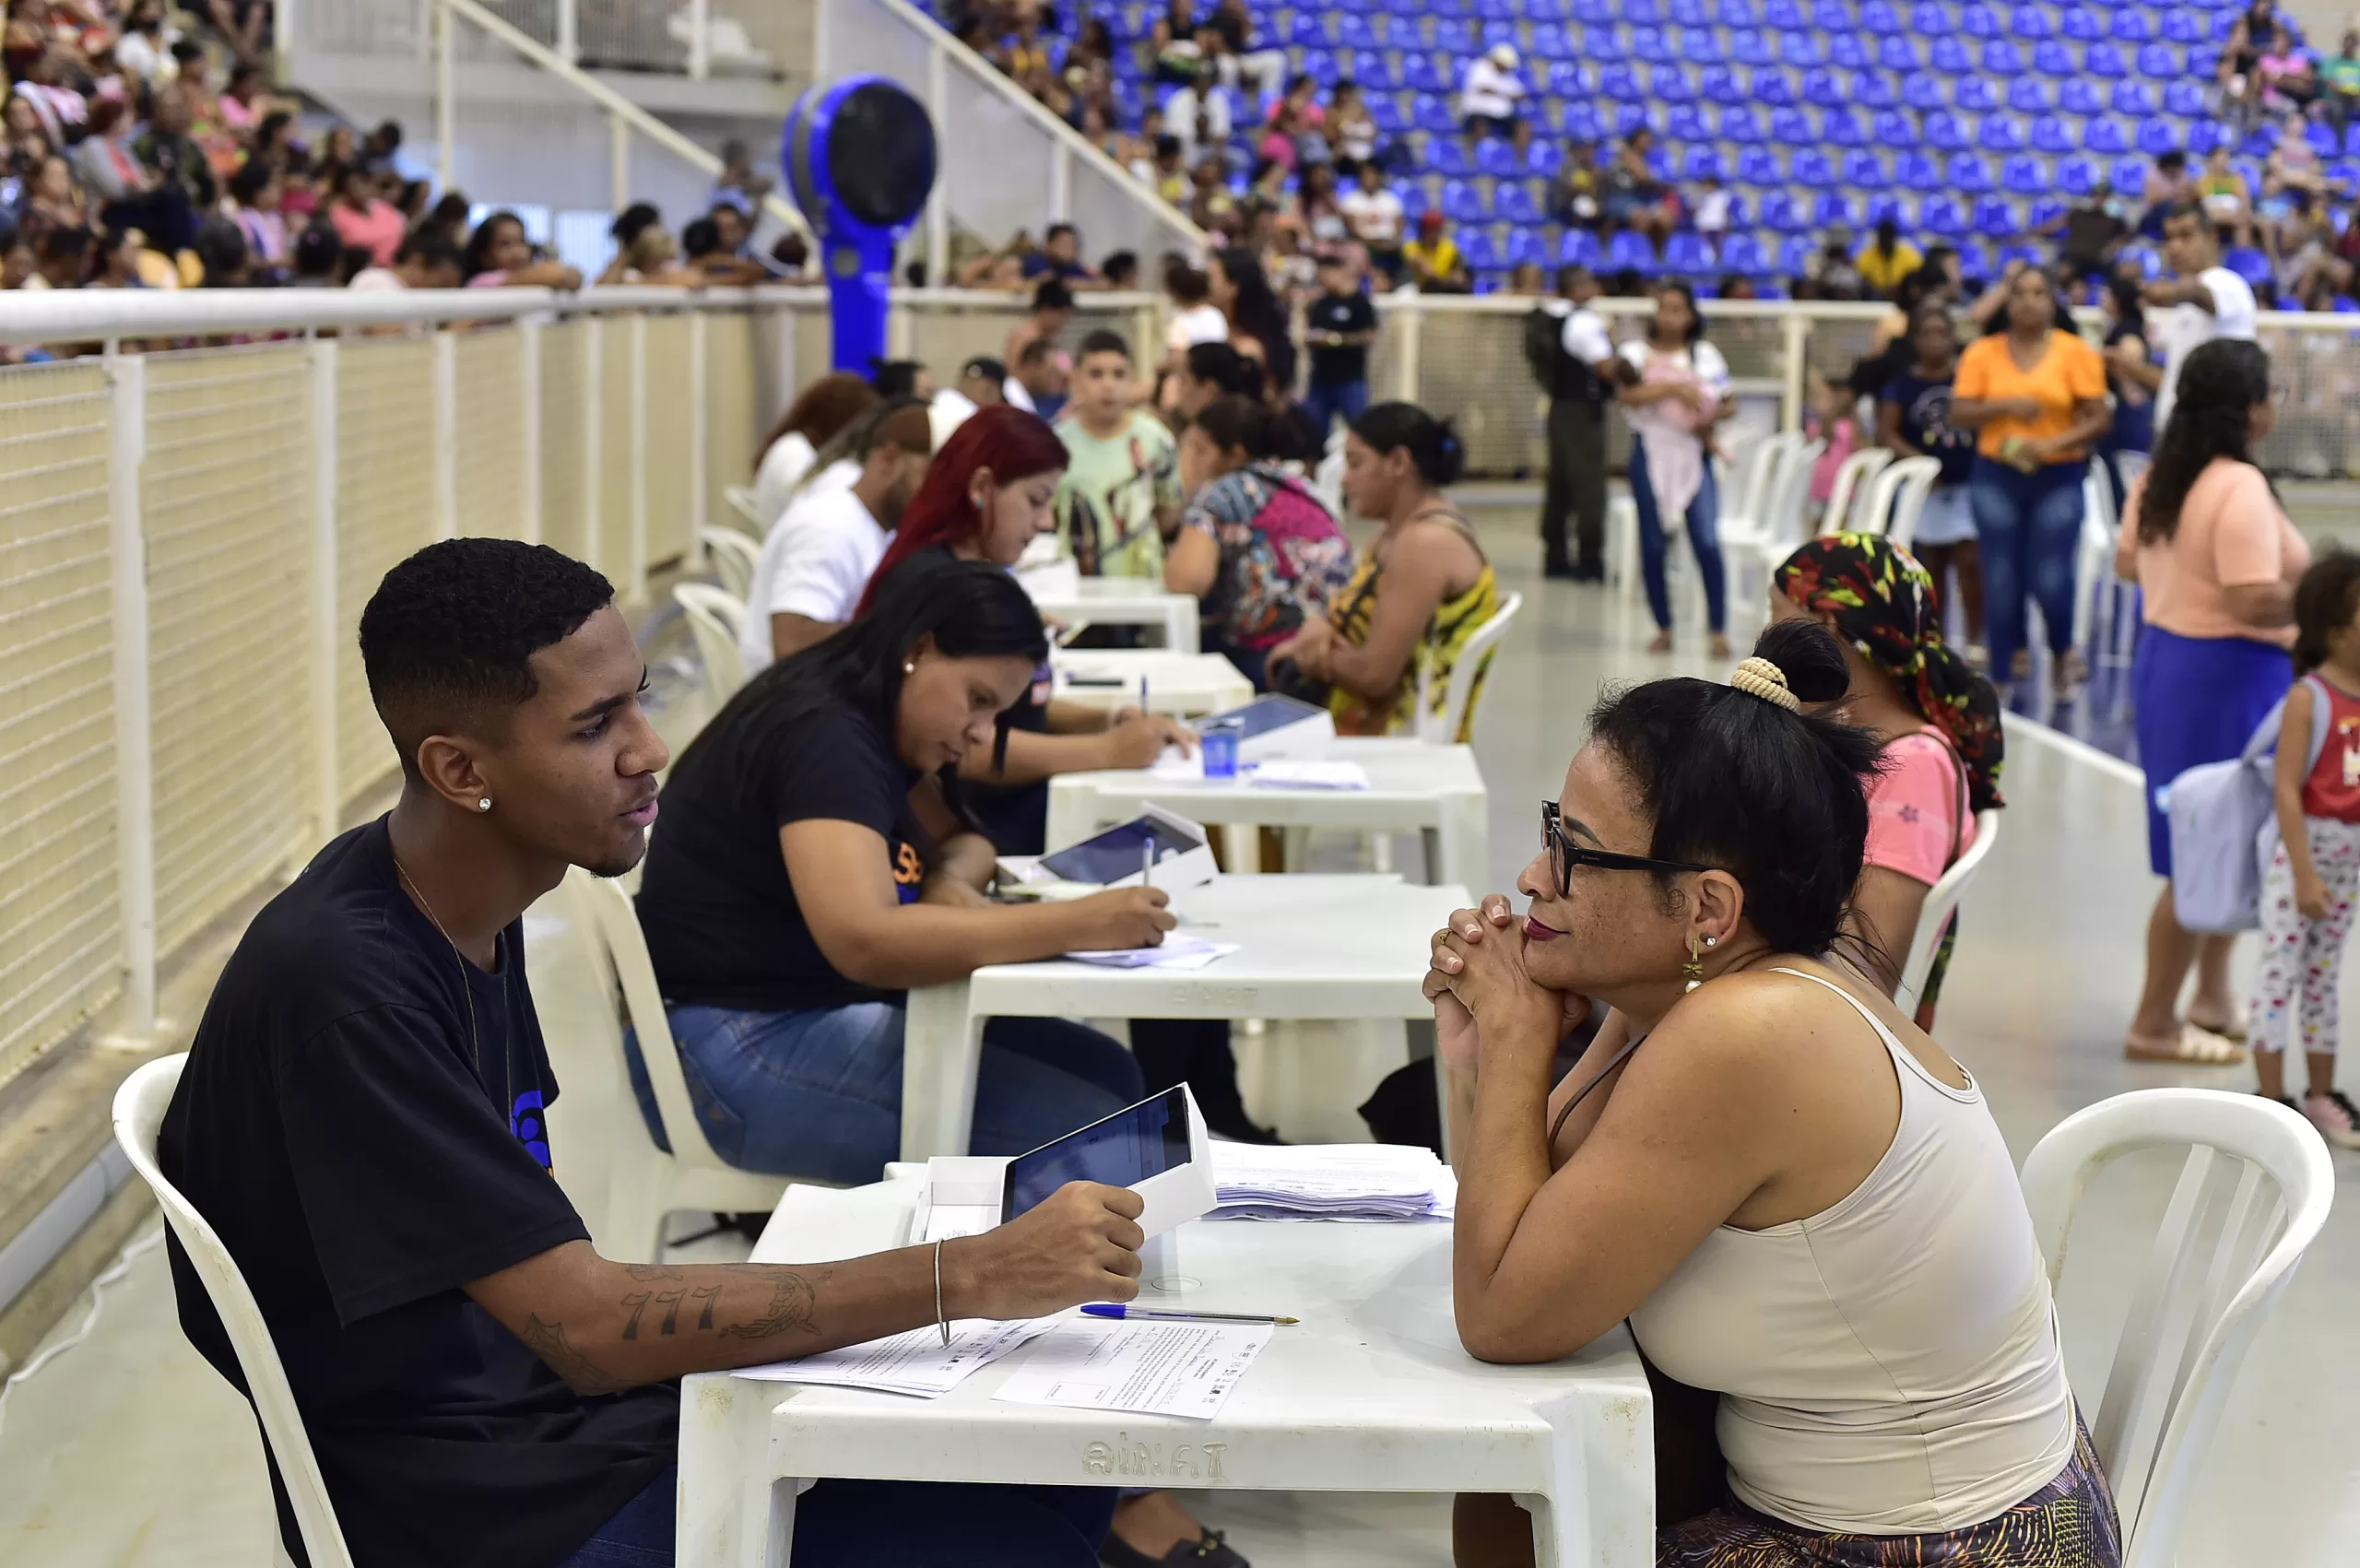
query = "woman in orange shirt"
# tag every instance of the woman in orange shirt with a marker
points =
(2035, 397)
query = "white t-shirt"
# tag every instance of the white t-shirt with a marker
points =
(815, 565)
(1014, 392)
(1197, 323)
(375, 280)
(950, 409)
(1375, 216)
(782, 469)
(1489, 92)
(2182, 327)
(1585, 336)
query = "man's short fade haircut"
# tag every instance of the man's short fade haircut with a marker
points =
(449, 634)
(1103, 341)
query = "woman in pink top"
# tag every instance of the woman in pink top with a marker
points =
(363, 218)
(1939, 723)
(2217, 561)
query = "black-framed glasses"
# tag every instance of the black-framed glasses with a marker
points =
(1564, 853)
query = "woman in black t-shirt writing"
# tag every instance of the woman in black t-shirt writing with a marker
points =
(815, 863)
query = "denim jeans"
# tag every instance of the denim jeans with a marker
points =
(853, 1523)
(1703, 538)
(2029, 527)
(818, 1092)
(1328, 401)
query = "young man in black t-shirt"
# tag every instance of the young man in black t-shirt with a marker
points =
(362, 1121)
(1337, 329)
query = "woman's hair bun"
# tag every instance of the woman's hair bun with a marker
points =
(1808, 654)
(1450, 455)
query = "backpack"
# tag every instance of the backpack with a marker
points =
(1558, 373)
(2225, 825)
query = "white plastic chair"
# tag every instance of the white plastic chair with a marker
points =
(716, 621)
(1776, 532)
(1895, 497)
(1457, 697)
(138, 1113)
(644, 1183)
(731, 555)
(1942, 903)
(1852, 477)
(2102, 629)
(745, 512)
(2252, 1195)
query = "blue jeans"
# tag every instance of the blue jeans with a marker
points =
(851, 1524)
(2030, 529)
(1326, 401)
(1703, 538)
(818, 1092)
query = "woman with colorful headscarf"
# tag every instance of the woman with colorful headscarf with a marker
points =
(1939, 719)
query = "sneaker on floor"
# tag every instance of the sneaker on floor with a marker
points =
(2335, 1118)
(1208, 1550)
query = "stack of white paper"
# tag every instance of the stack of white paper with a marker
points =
(1364, 1182)
(916, 1362)
(1165, 1369)
(1178, 950)
(1310, 774)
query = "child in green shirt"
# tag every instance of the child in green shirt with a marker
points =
(1121, 494)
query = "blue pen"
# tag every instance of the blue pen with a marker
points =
(1101, 1309)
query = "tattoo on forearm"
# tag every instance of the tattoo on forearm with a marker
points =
(547, 1341)
(710, 1295)
(792, 1298)
(668, 1299)
(645, 1272)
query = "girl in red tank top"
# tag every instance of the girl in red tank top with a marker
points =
(2314, 869)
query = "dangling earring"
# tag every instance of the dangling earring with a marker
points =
(1692, 971)
(483, 803)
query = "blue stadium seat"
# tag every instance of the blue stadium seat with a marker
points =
(2106, 136)
(1968, 174)
(2351, 140)
(2127, 174)
(1481, 253)
(2051, 58)
(1686, 253)
(2024, 175)
(1717, 84)
(2159, 62)
(1496, 158)
(1589, 13)
(1742, 255)
(1748, 47)
(2183, 26)
(1700, 46)
(2204, 134)
(1704, 163)
(1873, 89)
(1525, 246)
(1580, 121)
(1353, 31)
(1741, 124)
(1941, 218)
(1452, 37)
(1842, 127)
(1429, 112)
(2321, 136)
(1319, 64)
(1791, 127)
(1420, 75)
(2001, 59)
(2203, 64)
(2131, 25)
(1630, 249)
(1550, 41)
(1620, 83)
(1513, 203)
(2045, 211)
(1795, 255)
(1995, 218)
(1831, 16)
(1385, 110)
(1566, 79)
(1646, 44)
(1463, 202)
(2078, 95)
(2248, 263)
(1686, 123)
(1978, 20)
(2158, 136)
(2344, 305)
(2051, 133)
(1774, 85)
(2105, 62)
(1579, 248)
(2076, 176)
(1601, 44)
(1928, 20)
(2139, 97)
(1800, 49)
(1498, 30)
(1851, 51)
(1831, 209)
(1643, 13)
(1975, 94)
(1498, 11)
(1945, 130)
(1671, 84)
(2001, 133)
(1758, 166)
(2028, 95)
(1922, 90)
(1303, 28)
(2260, 142)
(1864, 170)
(1739, 14)
(2029, 256)
(1880, 16)
(1449, 155)
(2030, 24)
(1780, 212)
(1784, 14)
(1822, 85)
(2184, 99)
(1542, 158)
(1886, 204)
(1811, 167)
(1694, 13)
(2144, 257)
(2080, 23)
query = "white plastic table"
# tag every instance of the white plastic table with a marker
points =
(1311, 946)
(1436, 791)
(1371, 1392)
(1123, 601)
(1185, 685)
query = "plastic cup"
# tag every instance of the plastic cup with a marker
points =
(1220, 745)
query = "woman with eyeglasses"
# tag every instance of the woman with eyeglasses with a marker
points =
(1799, 1202)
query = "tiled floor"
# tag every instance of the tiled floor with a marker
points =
(128, 1453)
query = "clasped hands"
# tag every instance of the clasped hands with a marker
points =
(1482, 990)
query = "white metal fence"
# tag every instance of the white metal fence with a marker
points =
(187, 536)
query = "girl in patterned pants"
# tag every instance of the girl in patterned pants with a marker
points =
(2314, 872)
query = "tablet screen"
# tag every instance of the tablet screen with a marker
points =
(1117, 852)
(1262, 716)
(1122, 1150)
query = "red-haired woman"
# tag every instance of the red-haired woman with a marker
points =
(988, 492)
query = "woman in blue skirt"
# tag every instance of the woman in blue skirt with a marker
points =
(2206, 541)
